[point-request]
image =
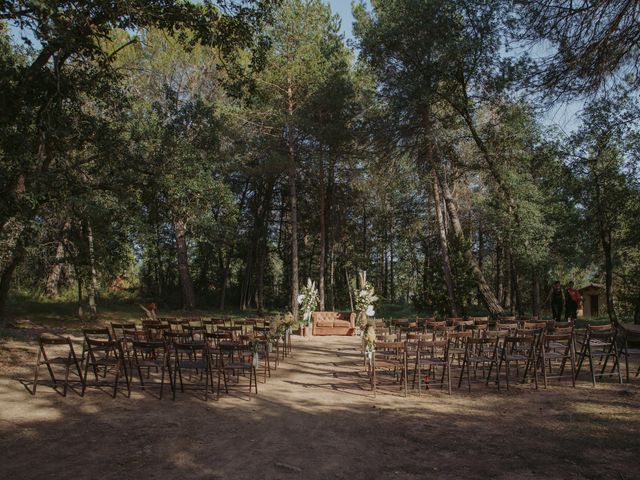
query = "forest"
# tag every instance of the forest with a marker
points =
(217, 154)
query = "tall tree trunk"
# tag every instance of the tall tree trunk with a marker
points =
(349, 289)
(53, 277)
(480, 257)
(93, 280)
(330, 221)
(605, 236)
(499, 292)
(188, 296)
(80, 302)
(535, 294)
(391, 273)
(488, 296)
(293, 200)
(159, 264)
(636, 313)
(517, 294)
(261, 243)
(323, 235)
(444, 248)
(507, 289)
(226, 261)
(245, 287)
(5, 279)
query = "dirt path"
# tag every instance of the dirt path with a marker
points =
(316, 419)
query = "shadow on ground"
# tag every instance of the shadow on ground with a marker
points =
(316, 419)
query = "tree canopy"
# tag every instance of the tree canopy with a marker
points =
(218, 153)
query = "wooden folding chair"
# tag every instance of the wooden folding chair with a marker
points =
(105, 354)
(479, 351)
(44, 342)
(430, 355)
(626, 351)
(235, 358)
(521, 348)
(152, 354)
(390, 357)
(192, 357)
(557, 349)
(599, 342)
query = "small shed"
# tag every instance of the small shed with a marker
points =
(594, 302)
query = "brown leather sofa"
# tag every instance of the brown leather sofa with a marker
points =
(333, 323)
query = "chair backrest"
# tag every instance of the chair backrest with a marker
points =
(141, 347)
(479, 320)
(534, 325)
(604, 333)
(390, 346)
(46, 339)
(562, 324)
(456, 335)
(463, 324)
(558, 337)
(173, 337)
(118, 328)
(437, 325)
(102, 334)
(193, 349)
(108, 347)
(453, 320)
(601, 328)
(562, 330)
(479, 329)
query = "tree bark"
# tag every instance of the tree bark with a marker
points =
(480, 257)
(188, 296)
(93, 281)
(444, 248)
(293, 199)
(507, 290)
(517, 294)
(535, 304)
(605, 236)
(225, 276)
(53, 277)
(488, 296)
(323, 234)
(261, 243)
(499, 293)
(330, 221)
(5, 280)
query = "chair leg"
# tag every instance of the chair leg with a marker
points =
(66, 377)
(84, 381)
(617, 360)
(35, 374)
(591, 367)
(161, 382)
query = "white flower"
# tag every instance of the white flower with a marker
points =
(300, 299)
(370, 311)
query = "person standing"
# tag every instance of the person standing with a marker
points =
(557, 300)
(571, 302)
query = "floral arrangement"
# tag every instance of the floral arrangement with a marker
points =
(308, 300)
(150, 310)
(365, 298)
(282, 326)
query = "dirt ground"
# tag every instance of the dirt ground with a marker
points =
(316, 419)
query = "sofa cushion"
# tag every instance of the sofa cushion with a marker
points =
(333, 323)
